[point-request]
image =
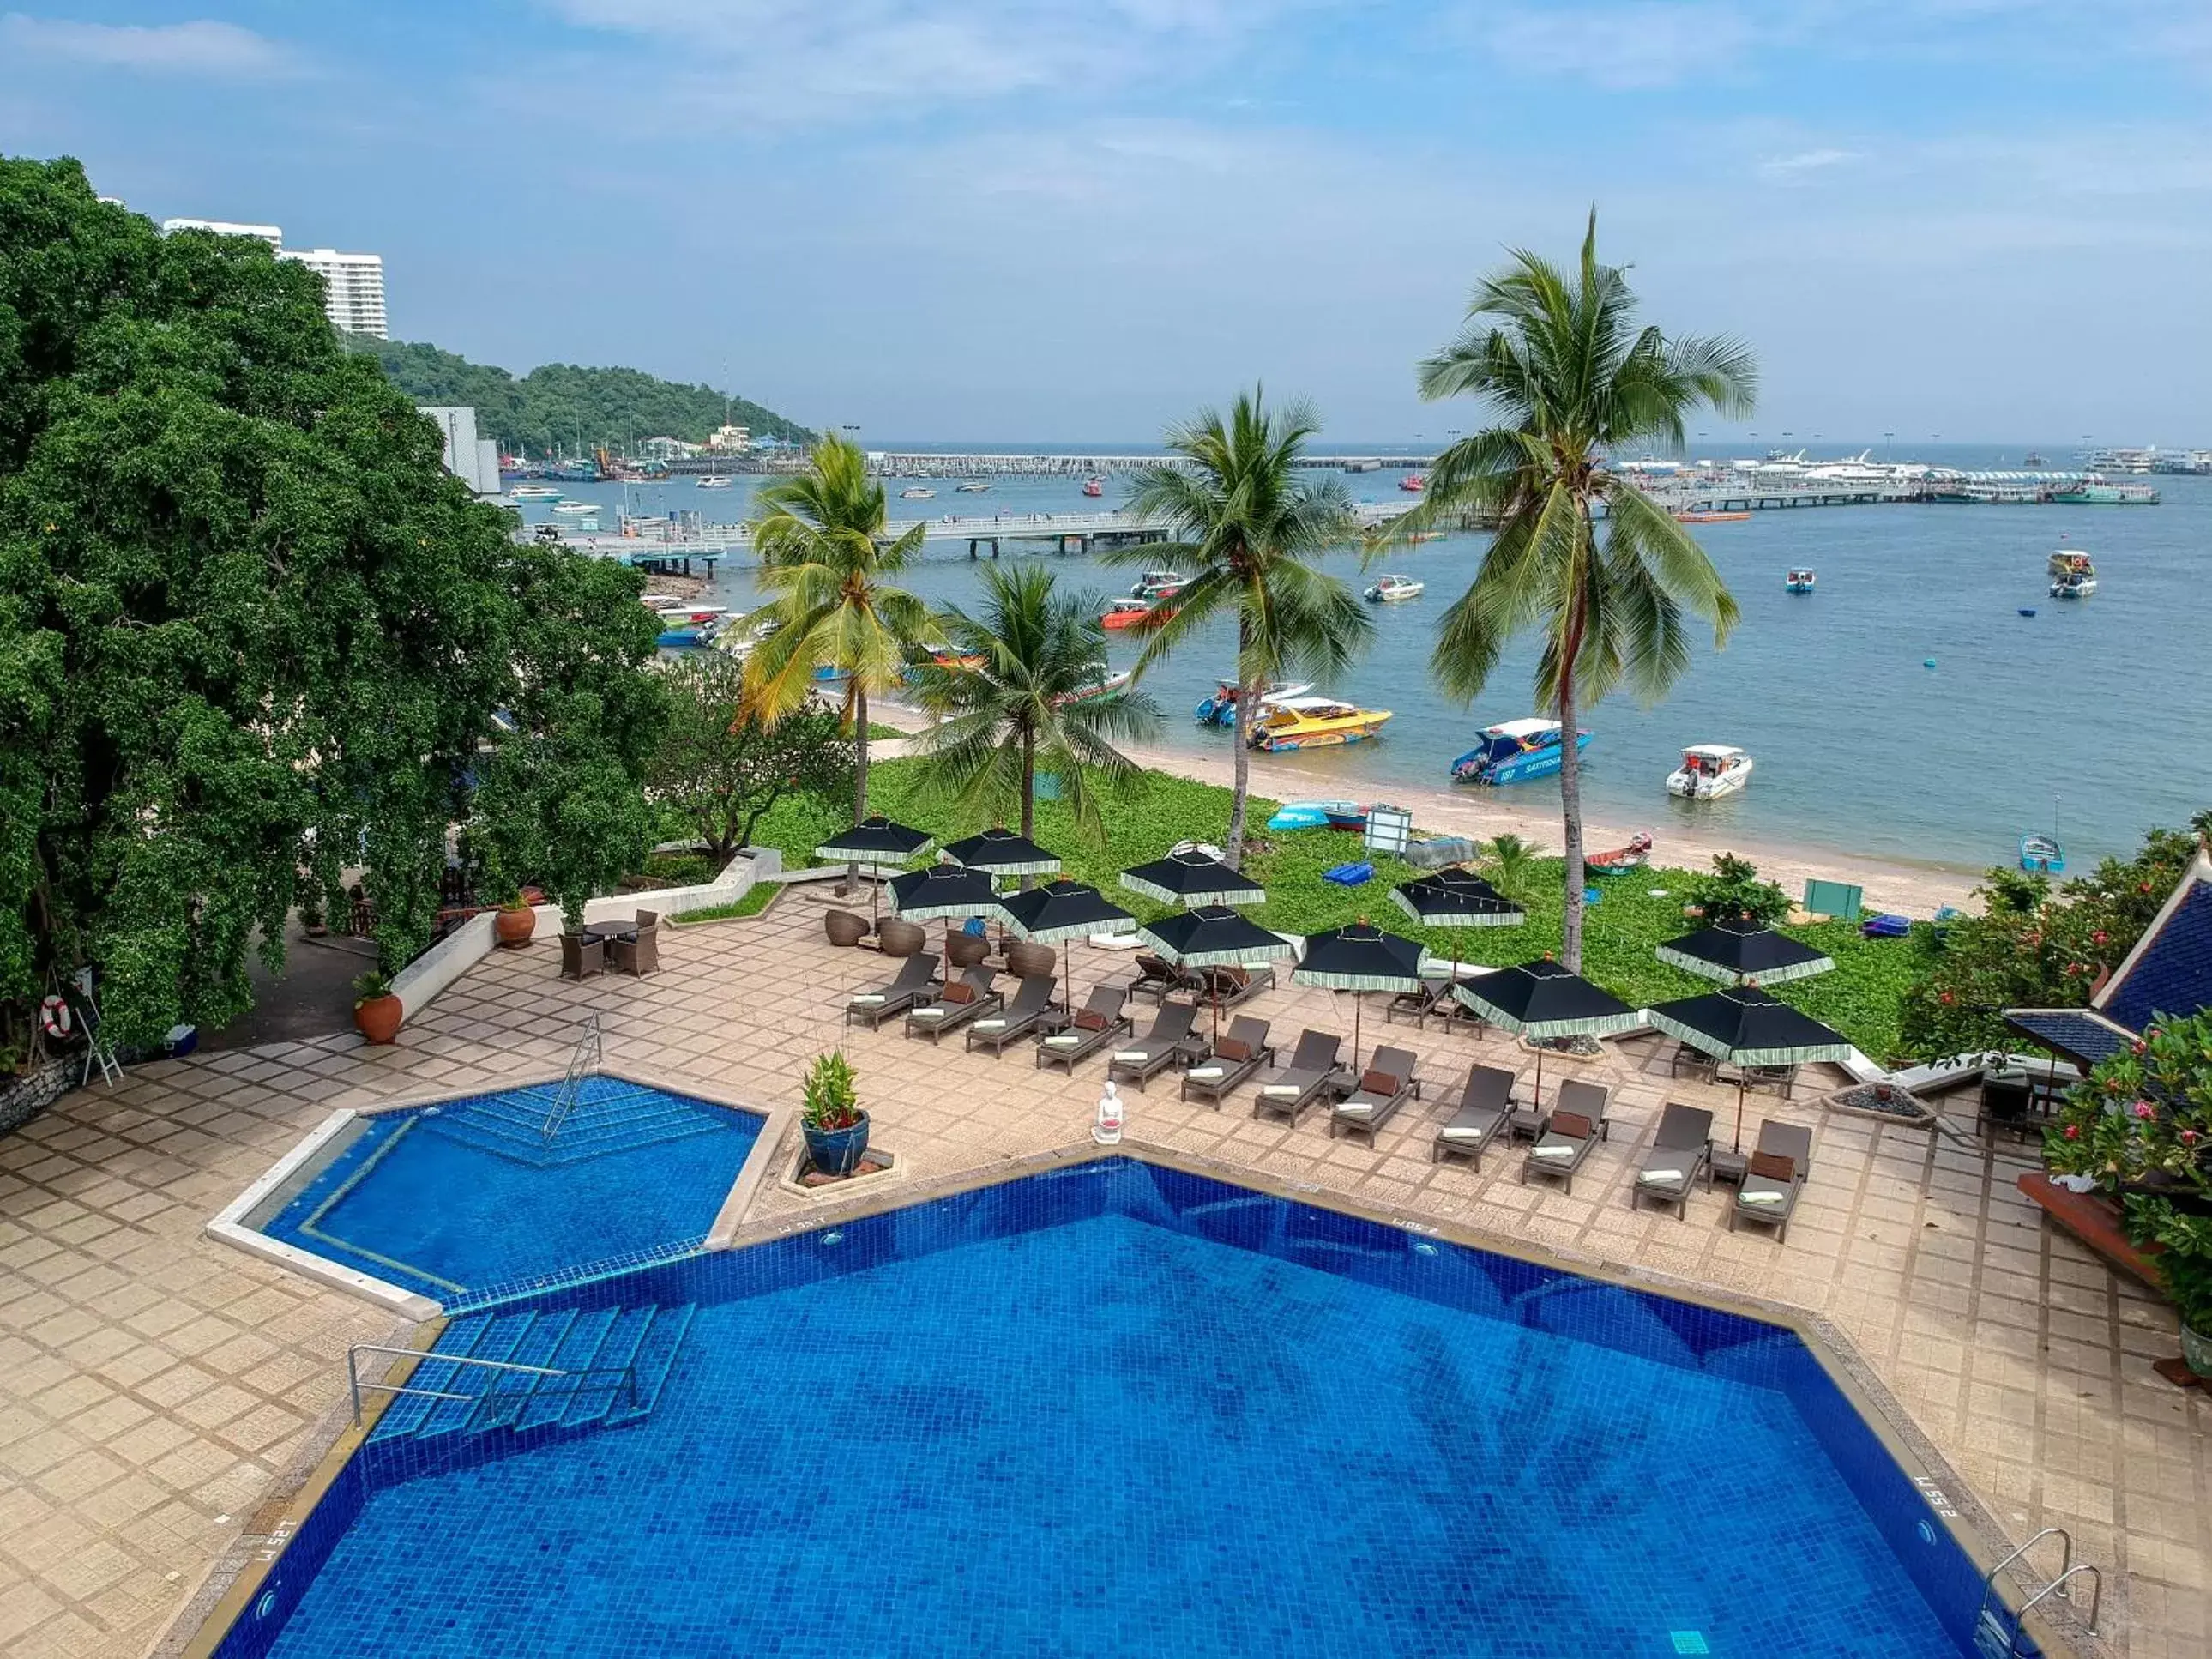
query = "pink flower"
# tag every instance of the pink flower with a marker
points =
(2073, 1131)
(2189, 1137)
(2145, 1109)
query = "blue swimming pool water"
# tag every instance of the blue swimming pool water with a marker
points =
(1126, 1410)
(472, 1194)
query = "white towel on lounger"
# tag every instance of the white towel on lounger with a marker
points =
(1761, 1198)
(1205, 1074)
(1065, 1040)
(990, 1025)
(1553, 1151)
(1671, 1177)
(1133, 1056)
(872, 996)
(932, 1012)
(1281, 1091)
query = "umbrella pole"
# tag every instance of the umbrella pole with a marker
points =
(1740, 1081)
(1357, 999)
(1538, 1103)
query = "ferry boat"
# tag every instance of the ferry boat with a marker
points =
(1160, 584)
(1221, 708)
(1515, 752)
(1127, 613)
(1801, 580)
(1708, 771)
(916, 494)
(1391, 590)
(533, 492)
(1094, 485)
(2072, 576)
(1294, 723)
(714, 481)
(1114, 685)
(973, 487)
(1413, 483)
(2093, 491)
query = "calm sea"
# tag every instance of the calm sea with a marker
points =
(1904, 709)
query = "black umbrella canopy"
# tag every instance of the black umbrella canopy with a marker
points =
(1064, 910)
(1360, 956)
(1213, 936)
(944, 889)
(1191, 878)
(1744, 1026)
(1543, 999)
(1741, 953)
(1456, 898)
(1002, 851)
(875, 840)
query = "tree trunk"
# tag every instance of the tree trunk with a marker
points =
(1029, 794)
(1241, 762)
(1570, 813)
(859, 774)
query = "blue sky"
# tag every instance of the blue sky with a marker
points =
(1069, 219)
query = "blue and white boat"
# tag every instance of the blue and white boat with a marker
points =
(1312, 814)
(2042, 855)
(1801, 580)
(1515, 752)
(1221, 708)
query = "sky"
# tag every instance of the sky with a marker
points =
(1080, 220)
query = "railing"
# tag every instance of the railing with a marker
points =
(1989, 1629)
(355, 1383)
(584, 1058)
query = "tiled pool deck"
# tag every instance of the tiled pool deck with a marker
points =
(155, 1385)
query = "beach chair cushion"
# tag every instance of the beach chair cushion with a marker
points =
(1090, 1019)
(1573, 1125)
(958, 991)
(1375, 1082)
(1772, 1166)
(1231, 1049)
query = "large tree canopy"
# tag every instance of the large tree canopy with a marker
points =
(251, 633)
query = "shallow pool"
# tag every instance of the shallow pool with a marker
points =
(1122, 1409)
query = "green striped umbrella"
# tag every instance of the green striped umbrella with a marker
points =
(1744, 1026)
(1360, 957)
(1741, 953)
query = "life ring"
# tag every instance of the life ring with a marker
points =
(54, 1015)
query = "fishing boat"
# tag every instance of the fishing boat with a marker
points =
(1428, 536)
(1294, 723)
(714, 481)
(2042, 855)
(915, 493)
(1802, 580)
(1221, 708)
(1114, 685)
(1621, 861)
(973, 487)
(1708, 771)
(1128, 613)
(1295, 815)
(2073, 575)
(533, 492)
(1514, 751)
(1094, 485)
(1392, 590)
(1160, 584)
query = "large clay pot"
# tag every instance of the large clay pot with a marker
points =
(513, 929)
(965, 950)
(378, 1017)
(896, 938)
(1023, 958)
(844, 927)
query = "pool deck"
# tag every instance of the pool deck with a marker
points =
(156, 1385)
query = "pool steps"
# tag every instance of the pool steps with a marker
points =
(608, 1116)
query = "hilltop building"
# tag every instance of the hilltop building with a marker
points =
(730, 441)
(353, 284)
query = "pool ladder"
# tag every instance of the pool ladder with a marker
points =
(1992, 1638)
(584, 1058)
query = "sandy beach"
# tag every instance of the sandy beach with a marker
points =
(1910, 890)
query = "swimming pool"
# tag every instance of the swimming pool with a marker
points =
(456, 1198)
(1121, 1407)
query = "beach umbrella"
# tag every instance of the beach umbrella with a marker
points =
(1192, 878)
(1744, 1026)
(1360, 957)
(1213, 936)
(1543, 1001)
(1744, 953)
(944, 889)
(1456, 898)
(1003, 852)
(877, 843)
(1059, 912)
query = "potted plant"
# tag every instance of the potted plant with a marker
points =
(311, 921)
(376, 1012)
(836, 1128)
(516, 922)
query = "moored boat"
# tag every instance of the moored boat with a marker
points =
(1128, 613)
(2072, 574)
(1621, 861)
(533, 492)
(2042, 855)
(1294, 815)
(1221, 708)
(1515, 752)
(1295, 723)
(1708, 771)
(1801, 580)
(1159, 583)
(578, 509)
(973, 487)
(1393, 589)
(1094, 485)
(1413, 483)
(916, 494)
(1114, 685)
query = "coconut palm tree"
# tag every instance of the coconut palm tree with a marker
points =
(827, 565)
(1010, 699)
(1508, 861)
(1249, 528)
(1570, 380)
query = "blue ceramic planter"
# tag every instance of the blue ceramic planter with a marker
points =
(837, 1152)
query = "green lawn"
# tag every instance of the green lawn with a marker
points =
(755, 901)
(1859, 999)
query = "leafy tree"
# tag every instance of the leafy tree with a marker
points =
(828, 565)
(1009, 700)
(1572, 381)
(1733, 892)
(1252, 527)
(721, 770)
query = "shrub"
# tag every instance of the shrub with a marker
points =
(829, 1097)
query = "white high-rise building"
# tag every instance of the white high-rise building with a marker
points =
(269, 233)
(473, 460)
(353, 284)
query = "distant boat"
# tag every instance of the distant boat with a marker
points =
(1709, 517)
(2032, 458)
(1296, 723)
(1392, 590)
(1801, 580)
(1094, 485)
(973, 487)
(1160, 584)
(1221, 708)
(2028, 610)
(2042, 855)
(1294, 815)
(915, 495)
(1708, 771)
(2073, 575)
(533, 492)
(1515, 752)
(1127, 613)
(578, 509)
(1413, 483)
(714, 481)
(1100, 691)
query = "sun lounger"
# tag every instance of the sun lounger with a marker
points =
(1434, 997)
(1016, 1019)
(1098, 1022)
(1774, 1178)
(1681, 1150)
(1567, 1141)
(1296, 1087)
(964, 998)
(1156, 976)
(1233, 1057)
(1228, 988)
(1137, 1061)
(1388, 1084)
(1530, 1119)
(1485, 1105)
(917, 978)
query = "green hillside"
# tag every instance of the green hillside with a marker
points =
(547, 409)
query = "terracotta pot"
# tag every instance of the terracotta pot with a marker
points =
(897, 938)
(844, 927)
(513, 929)
(1023, 958)
(965, 950)
(378, 1017)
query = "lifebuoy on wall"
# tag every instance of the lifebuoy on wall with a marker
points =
(54, 1015)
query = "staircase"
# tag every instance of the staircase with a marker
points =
(603, 1115)
(597, 1368)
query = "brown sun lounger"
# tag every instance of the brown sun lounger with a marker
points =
(1169, 1040)
(1292, 1088)
(1486, 1106)
(1434, 997)
(962, 1001)
(1680, 1152)
(1234, 1056)
(1156, 976)
(917, 978)
(1228, 988)
(1090, 1028)
(1566, 1142)
(1774, 1178)
(1017, 1019)
(1388, 1084)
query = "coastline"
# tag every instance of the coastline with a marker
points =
(1909, 888)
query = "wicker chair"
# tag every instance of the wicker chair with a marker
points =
(640, 955)
(581, 957)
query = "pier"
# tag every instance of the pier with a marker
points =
(897, 464)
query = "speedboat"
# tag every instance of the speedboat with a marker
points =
(916, 494)
(715, 481)
(689, 635)
(1800, 580)
(1514, 751)
(533, 492)
(1127, 613)
(1094, 485)
(2073, 576)
(1160, 584)
(2042, 855)
(578, 509)
(1101, 691)
(1221, 708)
(1294, 723)
(973, 487)
(1389, 590)
(1318, 815)
(1709, 770)
(1413, 483)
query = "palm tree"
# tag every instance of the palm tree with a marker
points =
(1570, 380)
(1008, 700)
(1239, 513)
(827, 561)
(1508, 859)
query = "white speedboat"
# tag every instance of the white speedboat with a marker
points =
(578, 509)
(916, 494)
(1708, 771)
(2072, 574)
(1391, 590)
(973, 487)
(715, 481)
(533, 492)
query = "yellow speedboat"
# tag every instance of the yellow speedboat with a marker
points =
(1314, 723)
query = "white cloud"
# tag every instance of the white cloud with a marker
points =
(203, 47)
(1793, 168)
